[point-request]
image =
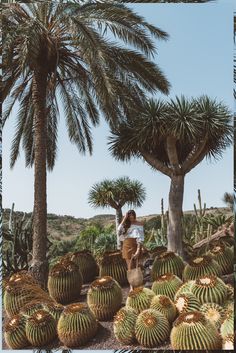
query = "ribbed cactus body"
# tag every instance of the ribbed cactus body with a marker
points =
(14, 332)
(112, 264)
(224, 256)
(124, 325)
(104, 298)
(163, 304)
(201, 266)
(77, 325)
(192, 331)
(210, 289)
(167, 262)
(186, 287)
(54, 309)
(22, 276)
(214, 313)
(65, 282)
(228, 343)
(87, 265)
(40, 328)
(31, 307)
(152, 328)
(227, 327)
(230, 292)
(167, 284)
(140, 298)
(186, 302)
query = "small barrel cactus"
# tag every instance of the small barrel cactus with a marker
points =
(31, 307)
(227, 327)
(112, 264)
(167, 262)
(65, 282)
(87, 265)
(167, 284)
(140, 298)
(124, 325)
(214, 313)
(14, 332)
(152, 328)
(104, 298)
(201, 266)
(210, 289)
(77, 325)
(40, 328)
(228, 343)
(186, 302)
(163, 304)
(192, 331)
(54, 309)
(186, 287)
(224, 256)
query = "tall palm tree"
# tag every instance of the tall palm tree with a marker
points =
(174, 138)
(62, 53)
(117, 193)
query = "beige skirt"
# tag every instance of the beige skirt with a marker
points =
(129, 248)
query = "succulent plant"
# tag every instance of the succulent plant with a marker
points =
(209, 289)
(228, 343)
(31, 307)
(40, 328)
(124, 325)
(22, 276)
(167, 262)
(227, 327)
(77, 325)
(65, 282)
(55, 309)
(104, 298)
(140, 298)
(200, 266)
(224, 256)
(185, 287)
(157, 251)
(214, 313)
(163, 304)
(14, 332)
(186, 302)
(87, 265)
(192, 331)
(230, 292)
(152, 328)
(167, 284)
(112, 264)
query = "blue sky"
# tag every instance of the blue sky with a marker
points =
(197, 59)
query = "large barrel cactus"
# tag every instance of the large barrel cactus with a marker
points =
(87, 265)
(210, 289)
(167, 262)
(22, 276)
(186, 302)
(185, 287)
(104, 298)
(214, 313)
(227, 327)
(14, 332)
(40, 328)
(163, 304)
(140, 298)
(65, 282)
(152, 328)
(167, 284)
(112, 264)
(124, 325)
(224, 256)
(200, 266)
(77, 325)
(192, 331)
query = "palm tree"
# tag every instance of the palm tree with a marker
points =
(173, 138)
(62, 52)
(117, 193)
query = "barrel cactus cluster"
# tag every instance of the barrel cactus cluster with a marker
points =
(167, 284)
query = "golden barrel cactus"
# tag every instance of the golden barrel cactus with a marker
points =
(224, 256)
(112, 264)
(124, 325)
(163, 304)
(201, 266)
(209, 289)
(14, 332)
(167, 284)
(167, 262)
(87, 265)
(140, 298)
(186, 302)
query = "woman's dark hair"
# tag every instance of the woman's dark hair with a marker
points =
(127, 223)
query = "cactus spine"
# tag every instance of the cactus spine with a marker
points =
(227, 327)
(163, 304)
(210, 289)
(201, 266)
(167, 284)
(224, 256)
(14, 333)
(213, 312)
(124, 325)
(186, 302)
(140, 298)
(167, 262)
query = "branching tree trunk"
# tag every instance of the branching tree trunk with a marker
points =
(118, 221)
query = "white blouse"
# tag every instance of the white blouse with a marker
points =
(134, 231)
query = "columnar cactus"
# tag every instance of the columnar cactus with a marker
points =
(167, 284)
(65, 282)
(14, 332)
(163, 304)
(224, 256)
(167, 262)
(40, 328)
(214, 313)
(192, 331)
(104, 298)
(87, 265)
(186, 287)
(210, 289)
(140, 298)
(77, 325)
(152, 328)
(112, 264)
(124, 325)
(201, 266)
(227, 327)
(186, 302)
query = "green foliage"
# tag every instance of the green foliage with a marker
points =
(112, 264)
(106, 241)
(140, 298)
(14, 333)
(163, 304)
(167, 262)
(186, 302)
(124, 325)
(167, 284)
(59, 249)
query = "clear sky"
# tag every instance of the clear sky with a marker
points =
(197, 59)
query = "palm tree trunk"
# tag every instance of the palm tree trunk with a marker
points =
(174, 233)
(118, 221)
(39, 266)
